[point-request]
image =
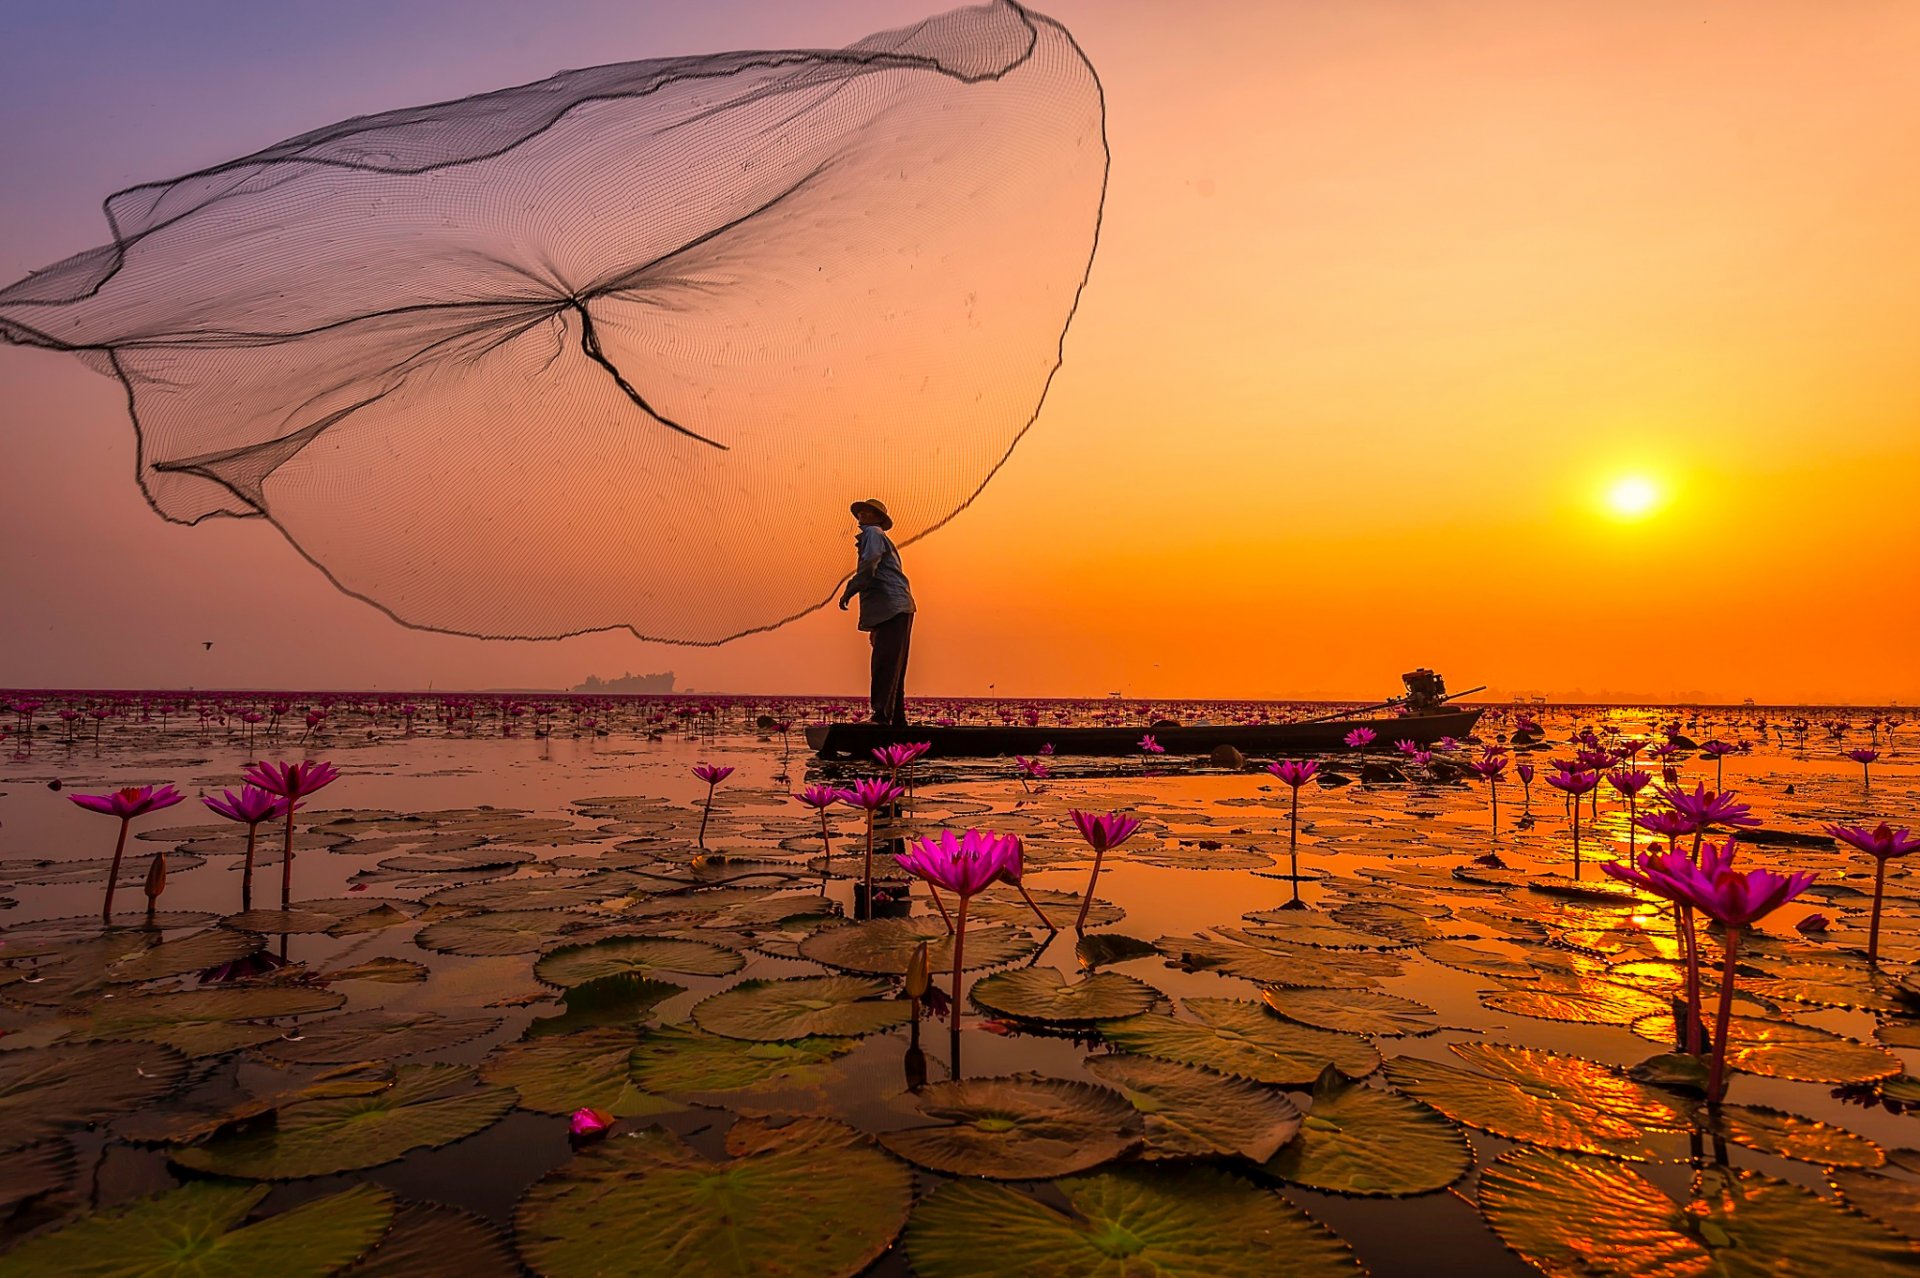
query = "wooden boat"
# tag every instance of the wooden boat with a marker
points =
(856, 740)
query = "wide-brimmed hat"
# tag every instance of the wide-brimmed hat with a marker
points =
(878, 507)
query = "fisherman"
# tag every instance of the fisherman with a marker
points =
(886, 609)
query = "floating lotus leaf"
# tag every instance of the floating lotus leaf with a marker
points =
(1542, 1098)
(1583, 1002)
(803, 1007)
(1004, 905)
(1365, 1140)
(1352, 1011)
(561, 1073)
(281, 922)
(578, 964)
(1188, 854)
(488, 857)
(205, 1022)
(537, 894)
(1573, 1215)
(1303, 927)
(1790, 1136)
(1231, 1036)
(200, 1231)
(426, 1107)
(45, 1090)
(430, 1238)
(195, 1121)
(883, 947)
(1104, 949)
(373, 920)
(1481, 960)
(618, 1002)
(1023, 1127)
(1904, 1089)
(812, 1197)
(30, 1173)
(1278, 963)
(500, 932)
(1196, 1112)
(1895, 1203)
(1774, 1048)
(1405, 923)
(677, 1060)
(376, 1035)
(1167, 1221)
(119, 958)
(384, 969)
(1044, 994)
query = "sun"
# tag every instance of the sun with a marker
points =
(1633, 497)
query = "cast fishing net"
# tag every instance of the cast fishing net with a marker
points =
(616, 348)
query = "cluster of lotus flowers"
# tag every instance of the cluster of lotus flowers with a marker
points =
(270, 791)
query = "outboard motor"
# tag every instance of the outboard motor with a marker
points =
(1426, 691)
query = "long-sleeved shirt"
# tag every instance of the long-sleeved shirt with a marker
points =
(878, 579)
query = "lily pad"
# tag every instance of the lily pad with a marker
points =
(1044, 994)
(620, 1002)
(46, 1090)
(1366, 1140)
(205, 1022)
(1784, 1135)
(1585, 1002)
(1894, 1203)
(1022, 1127)
(1303, 927)
(29, 1173)
(811, 1197)
(1481, 960)
(427, 1106)
(200, 1231)
(500, 932)
(123, 957)
(1576, 1215)
(1171, 1222)
(377, 1034)
(1772, 1047)
(883, 947)
(1542, 1098)
(1278, 962)
(382, 968)
(1191, 1112)
(565, 1072)
(578, 964)
(1231, 1036)
(429, 1238)
(1003, 905)
(1104, 949)
(677, 1060)
(1352, 1011)
(803, 1007)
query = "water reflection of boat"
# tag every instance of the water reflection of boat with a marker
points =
(1425, 718)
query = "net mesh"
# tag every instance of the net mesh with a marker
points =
(616, 348)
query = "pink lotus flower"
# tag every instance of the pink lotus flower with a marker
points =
(820, 798)
(713, 775)
(965, 866)
(1360, 738)
(588, 1124)
(292, 782)
(871, 795)
(1864, 757)
(895, 757)
(126, 804)
(1883, 843)
(1707, 809)
(1294, 773)
(1150, 746)
(1103, 831)
(1668, 825)
(1575, 783)
(1406, 747)
(251, 806)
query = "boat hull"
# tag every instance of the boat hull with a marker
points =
(856, 740)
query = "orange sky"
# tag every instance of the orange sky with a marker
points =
(1388, 294)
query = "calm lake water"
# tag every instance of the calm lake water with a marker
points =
(445, 863)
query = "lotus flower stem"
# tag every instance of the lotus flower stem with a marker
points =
(1717, 1077)
(1293, 844)
(1080, 924)
(113, 875)
(286, 863)
(944, 916)
(706, 810)
(869, 870)
(246, 870)
(826, 839)
(1690, 945)
(1873, 928)
(959, 946)
(1035, 905)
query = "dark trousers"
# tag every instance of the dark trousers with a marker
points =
(891, 639)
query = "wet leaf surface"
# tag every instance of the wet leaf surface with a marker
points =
(1023, 1127)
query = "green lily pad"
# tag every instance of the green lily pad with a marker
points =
(500, 932)
(429, 1238)
(1278, 962)
(1231, 1036)
(197, 1119)
(1191, 1112)
(37, 1170)
(121, 958)
(1894, 1203)
(1784, 1135)
(376, 919)
(1170, 1222)
(1366, 1140)
(803, 1007)
(678, 1060)
(578, 964)
(199, 1231)
(1775, 1048)
(1352, 1011)
(883, 947)
(1004, 905)
(376, 1035)
(281, 922)
(1542, 1098)
(1022, 1127)
(1576, 1215)
(1104, 949)
(1044, 994)
(382, 968)
(620, 1002)
(565, 1072)
(205, 1022)
(427, 1106)
(812, 1197)
(46, 1090)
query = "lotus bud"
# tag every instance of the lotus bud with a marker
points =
(918, 973)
